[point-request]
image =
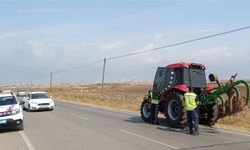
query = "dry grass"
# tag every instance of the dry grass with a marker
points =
(129, 97)
(237, 122)
(115, 96)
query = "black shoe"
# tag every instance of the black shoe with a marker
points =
(191, 132)
(155, 123)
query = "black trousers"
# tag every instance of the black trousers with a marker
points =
(154, 113)
(193, 120)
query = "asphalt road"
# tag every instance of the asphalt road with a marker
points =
(77, 127)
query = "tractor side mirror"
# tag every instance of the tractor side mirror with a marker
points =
(213, 77)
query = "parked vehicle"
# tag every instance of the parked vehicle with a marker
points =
(38, 101)
(172, 82)
(11, 114)
(21, 95)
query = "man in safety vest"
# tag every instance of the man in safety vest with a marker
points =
(154, 109)
(191, 101)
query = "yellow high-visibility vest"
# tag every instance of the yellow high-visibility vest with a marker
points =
(190, 101)
(153, 101)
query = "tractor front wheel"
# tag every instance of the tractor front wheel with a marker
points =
(145, 110)
(209, 114)
(174, 111)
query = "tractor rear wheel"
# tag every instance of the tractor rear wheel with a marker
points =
(145, 110)
(174, 111)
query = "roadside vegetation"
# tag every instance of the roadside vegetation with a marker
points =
(120, 96)
(237, 122)
(129, 97)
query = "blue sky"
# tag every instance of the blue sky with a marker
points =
(37, 37)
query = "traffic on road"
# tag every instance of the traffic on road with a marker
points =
(77, 127)
(12, 106)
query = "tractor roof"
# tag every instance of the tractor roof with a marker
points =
(185, 65)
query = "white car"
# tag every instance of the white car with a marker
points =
(21, 95)
(38, 101)
(11, 114)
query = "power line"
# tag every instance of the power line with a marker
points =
(146, 51)
(78, 67)
(179, 43)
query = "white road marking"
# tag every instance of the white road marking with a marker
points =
(79, 116)
(233, 132)
(148, 139)
(27, 141)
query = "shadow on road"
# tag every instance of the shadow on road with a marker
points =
(37, 111)
(204, 130)
(5, 131)
(138, 119)
(179, 130)
(135, 119)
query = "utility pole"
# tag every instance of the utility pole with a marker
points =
(31, 84)
(51, 78)
(103, 73)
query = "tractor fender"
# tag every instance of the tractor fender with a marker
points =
(179, 88)
(183, 88)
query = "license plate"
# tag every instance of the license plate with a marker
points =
(2, 121)
(43, 106)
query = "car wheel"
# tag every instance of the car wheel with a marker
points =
(20, 127)
(29, 110)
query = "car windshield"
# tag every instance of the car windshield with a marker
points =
(39, 95)
(8, 100)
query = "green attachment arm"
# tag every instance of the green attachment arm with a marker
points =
(247, 88)
(215, 96)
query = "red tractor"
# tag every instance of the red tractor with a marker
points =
(172, 82)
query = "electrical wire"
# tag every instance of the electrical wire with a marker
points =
(148, 50)
(179, 43)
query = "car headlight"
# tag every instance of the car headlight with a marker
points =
(33, 103)
(52, 102)
(15, 111)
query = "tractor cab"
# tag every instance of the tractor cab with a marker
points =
(176, 75)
